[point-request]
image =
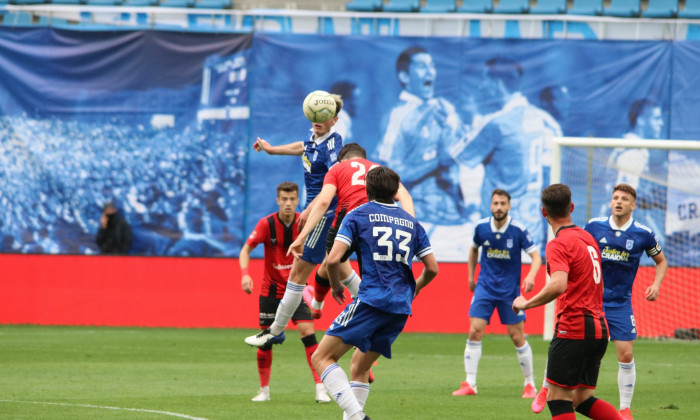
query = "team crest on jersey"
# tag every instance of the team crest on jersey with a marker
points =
(334, 157)
(509, 243)
(315, 155)
(629, 244)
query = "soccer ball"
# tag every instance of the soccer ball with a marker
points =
(319, 106)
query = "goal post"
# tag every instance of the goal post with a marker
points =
(666, 174)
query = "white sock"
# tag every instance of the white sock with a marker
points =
(352, 283)
(288, 305)
(338, 386)
(525, 359)
(626, 378)
(472, 355)
(316, 304)
(361, 391)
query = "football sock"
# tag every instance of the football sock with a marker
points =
(264, 366)
(561, 410)
(338, 386)
(323, 285)
(288, 305)
(545, 384)
(626, 378)
(352, 283)
(597, 409)
(472, 355)
(310, 346)
(525, 359)
(361, 391)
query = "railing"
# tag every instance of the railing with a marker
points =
(355, 23)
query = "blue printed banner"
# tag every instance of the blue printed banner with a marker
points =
(162, 124)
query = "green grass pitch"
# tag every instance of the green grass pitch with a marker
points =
(143, 373)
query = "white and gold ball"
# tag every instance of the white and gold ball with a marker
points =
(319, 106)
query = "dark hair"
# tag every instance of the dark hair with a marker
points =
(382, 184)
(499, 191)
(287, 186)
(507, 70)
(404, 60)
(352, 150)
(344, 88)
(556, 200)
(626, 188)
(638, 107)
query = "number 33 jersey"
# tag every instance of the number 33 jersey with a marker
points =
(387, 238)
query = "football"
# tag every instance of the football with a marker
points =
(319, 106)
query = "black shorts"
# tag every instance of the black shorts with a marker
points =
(575, 363)
(268, 308)
(333, 231)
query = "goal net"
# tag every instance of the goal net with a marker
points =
(666, 174)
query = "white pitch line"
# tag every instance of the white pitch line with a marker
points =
(165, 413)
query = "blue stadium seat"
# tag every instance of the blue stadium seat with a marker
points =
(402, 6)
(66, 2)
(476, 6)
(17, 19)
(549, 7)
(623, 8)
(661, 9)
(176, 3)
(104, 2)
(439, 6)
(27, 1)
(364, 5)
(512, 6)
(212, 4)
(141, 3)
(587, 7)
(691, 11)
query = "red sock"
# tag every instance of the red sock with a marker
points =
(323, 286)
(309, 351)
(603, 410)
(264, 366)
(565, 416)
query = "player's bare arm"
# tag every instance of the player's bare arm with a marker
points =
(333, 266)
(652, 292)
(244, 261)
(471, 263)
(430, 271)
(556, 286)
(404, 197)
(529, 280)
(295, 149)
(314, 213)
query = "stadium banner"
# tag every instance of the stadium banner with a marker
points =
(156, 122)
(162, 122)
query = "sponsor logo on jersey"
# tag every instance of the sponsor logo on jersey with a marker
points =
(306, 162)
(613, 254)
(629, 244)
(499, 254)
(282, 266)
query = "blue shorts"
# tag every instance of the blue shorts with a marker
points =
(315, 245)
(483, 304)
(621, 322)
(368, 328)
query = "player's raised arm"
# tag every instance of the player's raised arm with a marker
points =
(333, 266)
(295, 148)
(404, 197)
(244, 261)
(318, 208)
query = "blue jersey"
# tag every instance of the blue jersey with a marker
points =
(387, 238)
(513, 144)
(620, 251)
(319, 155)
(501, 264)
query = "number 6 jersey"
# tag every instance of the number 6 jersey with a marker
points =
(387, 238)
